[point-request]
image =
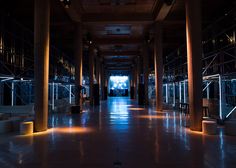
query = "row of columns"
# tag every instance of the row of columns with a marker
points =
(91, 73)
(78, 56)
(41, 67)
(142, 65)
(194, 55)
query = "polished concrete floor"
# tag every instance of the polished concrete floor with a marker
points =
(118, 134)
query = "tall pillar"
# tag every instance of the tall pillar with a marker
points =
(91, 73)
(78, 56)
(41, 62)
(138, 70)
(135, 82)
(13, 95)
(132, 83)
(97, 74)
(102, 80)
(194, 55)
(105, 83)
(145, 72)
(158, 61)
(140, 84)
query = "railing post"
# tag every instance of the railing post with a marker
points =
(53, 102)
(174, 94)
(184, 92)
(56, 91)
(166, 93)
(208, 90)
(12, 93)
(70, 93)
(180, 94)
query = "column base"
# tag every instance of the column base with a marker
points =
(75, 109)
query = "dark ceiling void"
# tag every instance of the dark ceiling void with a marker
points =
(118, 28)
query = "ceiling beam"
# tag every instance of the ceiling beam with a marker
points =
(121, 53)
(118, 68)
(162, 9)
(115, 64)
(118, 59)
(104, 41)
(117, 18)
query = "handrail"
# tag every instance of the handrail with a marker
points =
(233, 110)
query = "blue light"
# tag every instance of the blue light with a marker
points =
(119, 82)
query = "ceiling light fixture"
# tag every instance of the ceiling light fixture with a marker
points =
(66, 3)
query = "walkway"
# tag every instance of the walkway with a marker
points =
(119, 134)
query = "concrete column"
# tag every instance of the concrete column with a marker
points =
(194, 55)
(139, 82)
(132, 83)
(91, 73)
(134, 73)
(135, 83)
(138, 70)
(105, 83)
(78, 56)
(97, 74)
(41, 62)
(141, 100)
(145, 72)
(102, 80)
(158, 61)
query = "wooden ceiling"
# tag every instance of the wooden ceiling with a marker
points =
(118, 28)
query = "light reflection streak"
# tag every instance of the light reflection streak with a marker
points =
(155, 116)
(63, 130)
(100, 118)
(222, 147)
(119, 115)
(136, 109)
(171, 124)
(174, 123)
(167, 121)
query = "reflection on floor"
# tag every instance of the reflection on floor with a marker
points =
(119, 134)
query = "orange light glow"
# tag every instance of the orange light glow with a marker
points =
(137, 109)
(157, 117)
(68, 130)
(194, 132)
(151, 116)
(160, 112)
(63, 130)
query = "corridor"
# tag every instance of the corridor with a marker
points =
(118, 134)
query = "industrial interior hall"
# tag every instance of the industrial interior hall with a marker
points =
(118, 83)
